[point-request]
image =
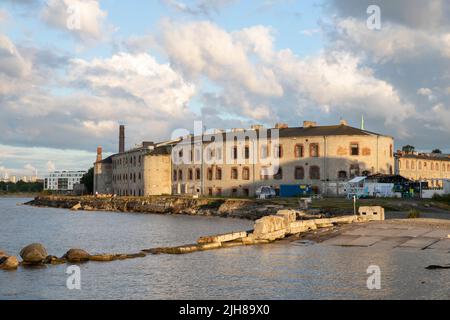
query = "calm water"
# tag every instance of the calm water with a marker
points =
(279, 271)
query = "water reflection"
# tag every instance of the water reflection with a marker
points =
(278, 271)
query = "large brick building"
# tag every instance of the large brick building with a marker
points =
(428, 167)
(237, 162)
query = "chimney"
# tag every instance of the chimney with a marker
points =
(309, 124)
(281, 126)
(343, 122)
(122, 139)
(99, 154)
(257, 127)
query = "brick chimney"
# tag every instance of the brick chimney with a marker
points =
(122, 139)
(309, 124)
(99, 154)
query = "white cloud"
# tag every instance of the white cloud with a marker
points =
(50, 166)
(84, 19)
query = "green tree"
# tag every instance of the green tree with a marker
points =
(438, 151)
(408, 149)
(88, 180)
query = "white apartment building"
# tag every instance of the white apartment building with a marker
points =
(62, 180)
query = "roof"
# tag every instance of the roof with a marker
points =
(357, 179)
(316, 131)
(430, 157)
(336, 130)
(106, 160)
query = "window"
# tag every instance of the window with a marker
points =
(247, 152)
(219, 192)
(314, 150)
(407, 164)
(245, 173)
(342, 174)
(420, 165)
(218, 174)
(234, 192)
(197, 174)
(437, 166)
(391, 151)
(279, 174)
(209, 176)
(278, 151)
(234, 173)
(246, 192)
(314, 173)
(354, 170)
(180, 174)
(298, 151)
(210, 192)
(354, 149)
(235, 153)
(299, 173)
(190, 174)
(413, 165)
(432, 166)
(366, 173)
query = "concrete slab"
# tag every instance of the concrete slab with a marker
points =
(439, 233)
(364, 241)
(419, 243)
(390, 243)
(441, 245)
(413, 232)
(340, 240)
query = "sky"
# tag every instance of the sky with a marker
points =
(71, 71)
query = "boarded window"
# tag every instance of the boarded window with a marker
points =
(234, 173)
(342, 174)
(314, 150)
(314, 173)
(210, 174)
(299, 173)
(218, 174)
(299, 151)
(246, 173)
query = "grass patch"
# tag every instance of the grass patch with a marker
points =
(413, 214)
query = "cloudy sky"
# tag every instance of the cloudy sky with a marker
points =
(72, 70)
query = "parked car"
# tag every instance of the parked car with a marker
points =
(265, 192)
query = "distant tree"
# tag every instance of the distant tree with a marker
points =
(88, 180)
(408, 149)
(438, 151)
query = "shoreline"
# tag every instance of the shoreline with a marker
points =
(227, 208)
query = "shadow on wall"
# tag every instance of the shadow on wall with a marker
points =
(317, 172)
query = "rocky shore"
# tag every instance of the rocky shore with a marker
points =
(234, 208)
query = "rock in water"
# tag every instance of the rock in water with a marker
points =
(77, 255)
(33, 254)
(9, 263)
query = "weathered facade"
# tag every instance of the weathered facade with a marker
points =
(311, 154)
(237, 162)
(432, 168)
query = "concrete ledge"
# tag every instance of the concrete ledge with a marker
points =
(222, 237)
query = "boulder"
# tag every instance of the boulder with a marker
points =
(9, 263)
(288, 215)
(77, 255)
(102, 257)
(76, 207)
(54, 260)
(34, 253)
(269, 224)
